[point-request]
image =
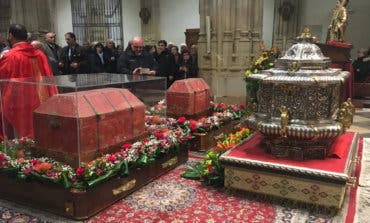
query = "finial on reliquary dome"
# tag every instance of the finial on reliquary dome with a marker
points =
(306, 35)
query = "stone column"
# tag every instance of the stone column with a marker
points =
(34, 14)
(235, 34)
(150, 30)
(286, 23)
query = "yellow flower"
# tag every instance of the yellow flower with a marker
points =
(248, 72)
(208, 162)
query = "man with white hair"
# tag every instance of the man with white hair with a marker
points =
(169, 46)
(50, 38)
(135, 60)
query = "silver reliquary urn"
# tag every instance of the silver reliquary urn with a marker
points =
(299, 108)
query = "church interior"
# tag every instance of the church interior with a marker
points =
(271, 123)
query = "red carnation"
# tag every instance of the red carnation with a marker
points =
(234, 107)
(210, 169)
(126, 146)
(99, 172)
(3, 160)
(35, 162)
(27, 171)
(193, 125)
(242, 106)
(222, 106)
(23, 141)
(146, 140)
(181, 120)
(158, 135)
(80, 171)
(112, 158)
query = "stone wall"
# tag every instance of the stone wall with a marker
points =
(234, 36)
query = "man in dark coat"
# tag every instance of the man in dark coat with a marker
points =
(73, 59)
(50, 42)
(135, 60)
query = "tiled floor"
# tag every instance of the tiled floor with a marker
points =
(361, 122)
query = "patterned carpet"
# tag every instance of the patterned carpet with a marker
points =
(174, 199)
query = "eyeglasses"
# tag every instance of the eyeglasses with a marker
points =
(138, 47)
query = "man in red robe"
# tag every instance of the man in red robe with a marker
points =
(22, 63)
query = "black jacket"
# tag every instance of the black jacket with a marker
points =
(78, 56)
(165, 62)
(96, 65)
(361, 67)
(128, 62)
(113, 57)
(191, 70)
(55, 49)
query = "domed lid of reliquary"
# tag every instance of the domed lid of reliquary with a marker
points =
(303, 62)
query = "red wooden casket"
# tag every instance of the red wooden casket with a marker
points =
(188, 97)
(94, 119)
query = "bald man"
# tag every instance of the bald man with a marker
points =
(136, 61)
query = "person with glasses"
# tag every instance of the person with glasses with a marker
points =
(134, 60)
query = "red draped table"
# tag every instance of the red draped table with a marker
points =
(339, 53)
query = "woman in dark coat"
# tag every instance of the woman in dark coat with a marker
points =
(187, 68)
(99, 61)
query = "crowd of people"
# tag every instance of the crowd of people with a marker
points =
(165, 60)
(23, 57)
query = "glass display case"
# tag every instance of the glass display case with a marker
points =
(76, 118)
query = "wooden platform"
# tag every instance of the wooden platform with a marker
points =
(208, 140)
(315, 182)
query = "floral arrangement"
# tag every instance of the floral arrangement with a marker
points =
(14, 158)
(89, 174)
(264, 62)
(210, 171)
(157, 109)
(221, 115)
(18, 147)
(165, 135)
